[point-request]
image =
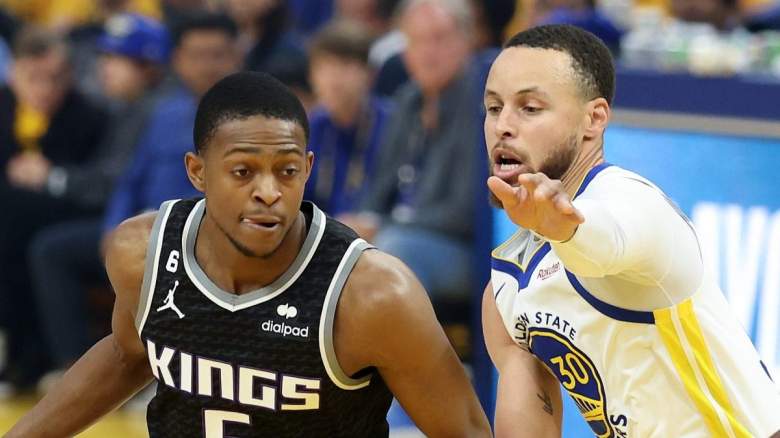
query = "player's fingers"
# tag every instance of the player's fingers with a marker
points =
(545, 192)
(505, 193)
(531, 180)
(563, 203)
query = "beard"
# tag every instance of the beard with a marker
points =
(554, 165)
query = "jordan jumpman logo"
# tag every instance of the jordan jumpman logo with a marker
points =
(169, 301)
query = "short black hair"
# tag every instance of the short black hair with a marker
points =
(242, 95)
(591, 59)
(203, 21)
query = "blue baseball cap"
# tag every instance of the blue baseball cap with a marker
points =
(136, 37)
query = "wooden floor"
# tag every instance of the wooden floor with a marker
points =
(121, 424)
(125, 423)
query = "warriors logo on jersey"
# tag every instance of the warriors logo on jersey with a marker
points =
(576, 373)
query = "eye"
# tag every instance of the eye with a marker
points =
(290, 171)
(531, 109)
(241, 172)
(493, 110)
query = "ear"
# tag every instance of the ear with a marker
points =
(309, 163)
(196, 170)
(598, 115)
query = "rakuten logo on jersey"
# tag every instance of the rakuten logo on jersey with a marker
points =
(284, 329)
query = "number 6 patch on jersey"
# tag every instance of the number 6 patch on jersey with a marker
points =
(576, 373)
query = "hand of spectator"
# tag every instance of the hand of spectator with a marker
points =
(29, 170)
(366, 225)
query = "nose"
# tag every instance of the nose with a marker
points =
(266, 190)
(506, 125)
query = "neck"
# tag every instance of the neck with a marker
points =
(586, 159)
(430, 113)
(347, 115)
(235, 272)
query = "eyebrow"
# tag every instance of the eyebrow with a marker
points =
(529, 90)
(287, 149)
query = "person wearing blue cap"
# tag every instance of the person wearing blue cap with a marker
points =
(136, 37)
(65, 257)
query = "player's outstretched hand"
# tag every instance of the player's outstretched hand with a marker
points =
(539, 204)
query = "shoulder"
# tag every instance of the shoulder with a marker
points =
(407, 95)
(381, 106)
(380, 286)
(174, 100)
(615, 182)
(381, 297)
(126, 253)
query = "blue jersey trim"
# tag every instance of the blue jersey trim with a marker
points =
(523, 277)
(609, 310)
(766, 370)
(589, 177)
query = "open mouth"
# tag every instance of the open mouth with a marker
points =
(507, 166)
(506, 162)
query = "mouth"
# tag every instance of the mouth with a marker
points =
(507, 165)
(261, 223)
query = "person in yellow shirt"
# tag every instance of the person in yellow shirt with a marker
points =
(65, 14)
(44, 122)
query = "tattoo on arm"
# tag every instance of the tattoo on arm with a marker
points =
(545, 398)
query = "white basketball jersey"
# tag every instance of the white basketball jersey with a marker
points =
(683, 370)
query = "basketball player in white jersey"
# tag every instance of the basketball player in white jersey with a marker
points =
(602, 290)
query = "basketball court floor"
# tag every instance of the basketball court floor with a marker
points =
(130, 423)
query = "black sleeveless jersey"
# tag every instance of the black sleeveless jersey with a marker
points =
(260, 364)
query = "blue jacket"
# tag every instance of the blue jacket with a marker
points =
(156, 172)
(344, 158)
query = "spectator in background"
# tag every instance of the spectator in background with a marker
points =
(84, 36)
(585, 15)
(721, 14)
(64, 257)
(416, 208)
(346, 128)
(62, 15)
(8, 27)
(204, 52)
(264, 35)
(44, 123)
(377, 16)
(490, 19)
(764, 19)
(309, 16)
(176, 12)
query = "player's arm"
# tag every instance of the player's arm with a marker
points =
(385, 319)
(113, 369)
(629, 228)
(528, 402)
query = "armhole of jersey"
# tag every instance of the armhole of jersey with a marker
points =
(327, 319)
(152, 262)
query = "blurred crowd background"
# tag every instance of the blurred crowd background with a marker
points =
(98, 99)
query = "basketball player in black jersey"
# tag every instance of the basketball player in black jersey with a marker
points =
(257, 314)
